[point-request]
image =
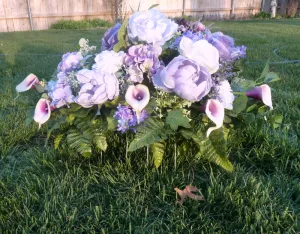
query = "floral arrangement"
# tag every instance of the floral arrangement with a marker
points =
(154, 79)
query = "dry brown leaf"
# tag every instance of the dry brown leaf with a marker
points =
(188, 192)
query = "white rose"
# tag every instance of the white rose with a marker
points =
(151, 27)
(200, 51)
(108, 61)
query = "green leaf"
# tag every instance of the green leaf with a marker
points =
(100, 142)
(249, 118)
(158, 151)
(151, 131)
(242, 85)
(271, 77)
(252, 107)
(121, 45)
(276, 120)
(29, 117)
(265, 71)
(176, 118)
(209, 149)
(239, 65)
(57, 140)
(218, 141)
(151, 106)
(112, 123)
(240, 103)
(153, 6)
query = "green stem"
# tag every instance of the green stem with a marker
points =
(238, 92)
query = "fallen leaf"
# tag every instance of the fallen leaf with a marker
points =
(188, 192)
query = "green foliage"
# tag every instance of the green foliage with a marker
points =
(100, 142)
(239, 104)
(57, 140)
(158, 151)
(122, 33)
(153, 6)
(151, 131)
(176, 118)
(271, 77)
(242, 85)
(80, 24)
(262, 15)
(276, 120)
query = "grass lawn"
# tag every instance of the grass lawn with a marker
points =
(48, 191)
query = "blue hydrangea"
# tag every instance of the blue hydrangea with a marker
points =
(127, 118)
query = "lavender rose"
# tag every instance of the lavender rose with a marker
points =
(70, 62)
(151, 27)
(110, 38)
(185, 77)
(96, 88)
(223, 43)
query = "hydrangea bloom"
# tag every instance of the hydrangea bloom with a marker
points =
(127, 118)
(110, 38)
(140, 59)
(96, 88)
(70, 62)
(108, 61)
(151, 27)
(184, 77)
(224, 94)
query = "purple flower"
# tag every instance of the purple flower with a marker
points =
(194, 36)
(96, 88)
(61, 95)
(198, 27)
(70, 62)
(110, 38)
(140, 59)
(223, 43)
(184, 77)
(127, 118)
(238, 52)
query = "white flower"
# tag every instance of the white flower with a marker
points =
(225, 95)
(108, 61)
(200, 51)
(151, 27)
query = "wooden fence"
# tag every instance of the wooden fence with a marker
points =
(15, 14)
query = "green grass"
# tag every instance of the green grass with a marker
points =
(48, 191)
(80, 24)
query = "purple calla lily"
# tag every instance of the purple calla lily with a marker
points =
(137, 97)
(215, 112)
(262, 93)
(42, 111)
(29, 82)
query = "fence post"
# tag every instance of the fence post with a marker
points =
(29, 14)
(232, 9)
(183, 7)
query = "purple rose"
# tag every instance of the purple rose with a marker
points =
(70, 62)
(110, 38)
(96, 88)
(223, 43)
(184, 77)
(62, 95)
(140, 59)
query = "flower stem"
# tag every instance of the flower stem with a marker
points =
(238, 92)
(147, 155)
(175, 156)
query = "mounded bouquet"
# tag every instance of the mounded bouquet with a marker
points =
(156, 80)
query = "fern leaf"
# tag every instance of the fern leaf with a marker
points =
(100, 142)
(158, 151)
(57, 140)
(151, 131)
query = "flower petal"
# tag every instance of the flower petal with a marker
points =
(215, 112)
(27, 83)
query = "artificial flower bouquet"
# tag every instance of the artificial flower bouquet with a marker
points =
(154, 79)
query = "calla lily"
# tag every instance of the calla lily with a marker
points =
(262, 93)
(137, 97)
(27, 83)
(215, 112)
(42, 111)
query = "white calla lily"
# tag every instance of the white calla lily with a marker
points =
(42, 111)
(200, 51)
(137, 97)
(215, 112)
